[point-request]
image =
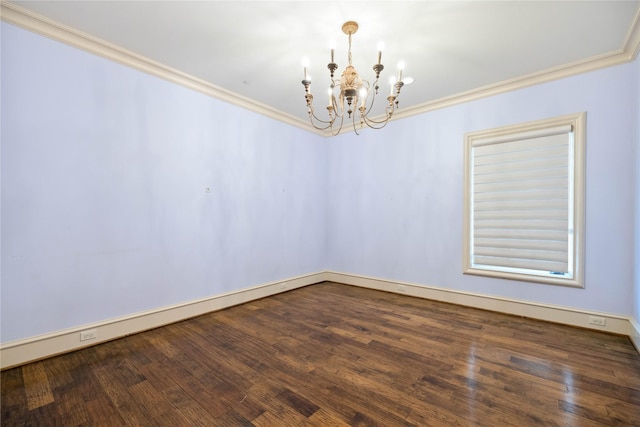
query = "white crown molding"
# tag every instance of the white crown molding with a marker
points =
(33, 22)
(627, 53)
(587, 65)
(631, 46)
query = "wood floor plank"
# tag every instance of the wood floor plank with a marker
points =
(103, 413)
(13, 406)
(58, 372)
(275, 408)
(70, 407)
(336, 355)
(190, 411)
(193, 387)
(326, 417)
(122, 399)
(37, 387)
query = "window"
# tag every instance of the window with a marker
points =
(524, 201)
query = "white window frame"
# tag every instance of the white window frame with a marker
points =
(574, 126)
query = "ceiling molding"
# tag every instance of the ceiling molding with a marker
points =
(36, 23)
(28, 20)
(627, 53)
(632, 43)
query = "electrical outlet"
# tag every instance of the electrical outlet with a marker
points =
(402, 288)
(595, 320)
(283, 286)
(91, 334)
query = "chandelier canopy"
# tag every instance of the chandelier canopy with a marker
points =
(355, 99)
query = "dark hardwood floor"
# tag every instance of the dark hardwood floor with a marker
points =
(336, 355)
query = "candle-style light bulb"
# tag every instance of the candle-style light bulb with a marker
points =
(305, 64)
(380, 49)
(400, 68)
(332, 46)
(392, 82)
(363, 96)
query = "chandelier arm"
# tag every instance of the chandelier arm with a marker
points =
(373, 97)
(332, 118)
(389, 110)
(337, 132)
(377, 122)
(310, 108)
(374, 125)
(355, 129)
(312, 116)
(336, 110)
(320, 127)
(318, 119)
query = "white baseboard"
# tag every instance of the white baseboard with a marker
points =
(27, 350)
(19, 352)
(557, 314)
(634, 333)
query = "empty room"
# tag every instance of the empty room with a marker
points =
(305, 213)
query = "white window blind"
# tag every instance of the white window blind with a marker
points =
(521, 202)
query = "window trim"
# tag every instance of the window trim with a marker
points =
(518, 132)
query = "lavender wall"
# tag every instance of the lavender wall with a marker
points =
(105, 213)
(104, 208)
(395, 196)
(636, 86)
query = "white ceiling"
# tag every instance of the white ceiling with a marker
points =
(254, 48)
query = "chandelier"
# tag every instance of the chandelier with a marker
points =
(355, 100)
